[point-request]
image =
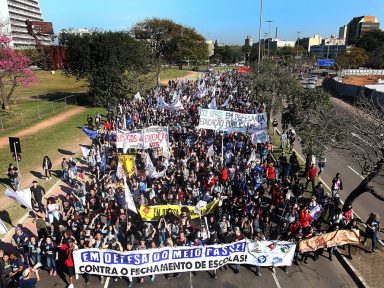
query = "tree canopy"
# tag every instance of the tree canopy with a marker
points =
(273, 85)
(170, 42)
(103, 58)
(373, 43)
(354, 58)
(14, 71)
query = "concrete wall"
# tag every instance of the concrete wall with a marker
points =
(362, 72)
(351, 93)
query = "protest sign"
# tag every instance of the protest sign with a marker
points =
(155, 136)
(260, 137)
(153, 213)
(128, 162)
(24, 197)
(336, 238)
(129, 140)
(221, 120)
(182, 259)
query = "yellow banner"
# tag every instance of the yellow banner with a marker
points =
(153, 213)
(128, 162)
(336, 238)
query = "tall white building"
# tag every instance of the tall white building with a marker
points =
(13, 14)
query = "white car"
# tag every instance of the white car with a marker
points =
(310, 86)
(311, 81)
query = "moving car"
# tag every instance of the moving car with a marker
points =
(310, 86)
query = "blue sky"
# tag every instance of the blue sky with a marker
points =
(228, 21)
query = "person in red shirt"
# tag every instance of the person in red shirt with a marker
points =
(305, 220)
(271, 173)
(311, 176)
(68, 250)
(224, 174)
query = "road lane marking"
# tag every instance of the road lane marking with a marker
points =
(190, 279)
(107, 282)
(275, 278)
(357, 173)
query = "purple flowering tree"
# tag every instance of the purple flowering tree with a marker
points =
(14, 71)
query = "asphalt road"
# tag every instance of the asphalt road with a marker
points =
(322, 273)
(347, 166)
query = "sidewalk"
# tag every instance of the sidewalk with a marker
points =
(366, 266)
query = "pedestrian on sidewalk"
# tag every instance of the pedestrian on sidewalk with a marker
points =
(47, 166)
(373, 226)
(311, 177)
(13, 175)
(38, 193)
(337, 185)
(274, 125)
(321, 164)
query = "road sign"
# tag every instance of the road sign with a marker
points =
(14, 145)
(326, 62)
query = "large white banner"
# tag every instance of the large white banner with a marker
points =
(24, 197)
(129, 140)
(155, 136)
(151, 137)
(221, 120)
(182, 259)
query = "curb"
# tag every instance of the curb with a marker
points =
(26, 215)
(356, 276)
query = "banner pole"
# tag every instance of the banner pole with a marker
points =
(17, 163)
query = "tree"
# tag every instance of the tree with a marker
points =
(14, 71)
(273, 85)
(170, 42)
(354, 58)
(104, 58)
(373, 43)
(315, 120)
(364, 141)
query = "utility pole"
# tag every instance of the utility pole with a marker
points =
(298, 43)
(269, 33)
(264, 44)
(260, 22)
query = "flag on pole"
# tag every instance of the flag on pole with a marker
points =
(128, 197)
(128, 162)
(150, 170)
(24, 197)
(137, 97)
(212, 105)
(3, 228)
(84, 151)
(91, 134)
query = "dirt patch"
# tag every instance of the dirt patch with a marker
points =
(73, 147)
(191, 75)
(361, 80)
(43, 124)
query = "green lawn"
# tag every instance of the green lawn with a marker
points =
(40, 99)
(56, 142)
(50, 87)
(173, 73)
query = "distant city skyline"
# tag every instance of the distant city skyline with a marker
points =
(225, 21)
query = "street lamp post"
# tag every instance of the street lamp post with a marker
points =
(269, 33)
(298, 43)
(260, 22)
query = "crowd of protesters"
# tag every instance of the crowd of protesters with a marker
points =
(261, 196)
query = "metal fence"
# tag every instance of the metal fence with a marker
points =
(35, 113)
